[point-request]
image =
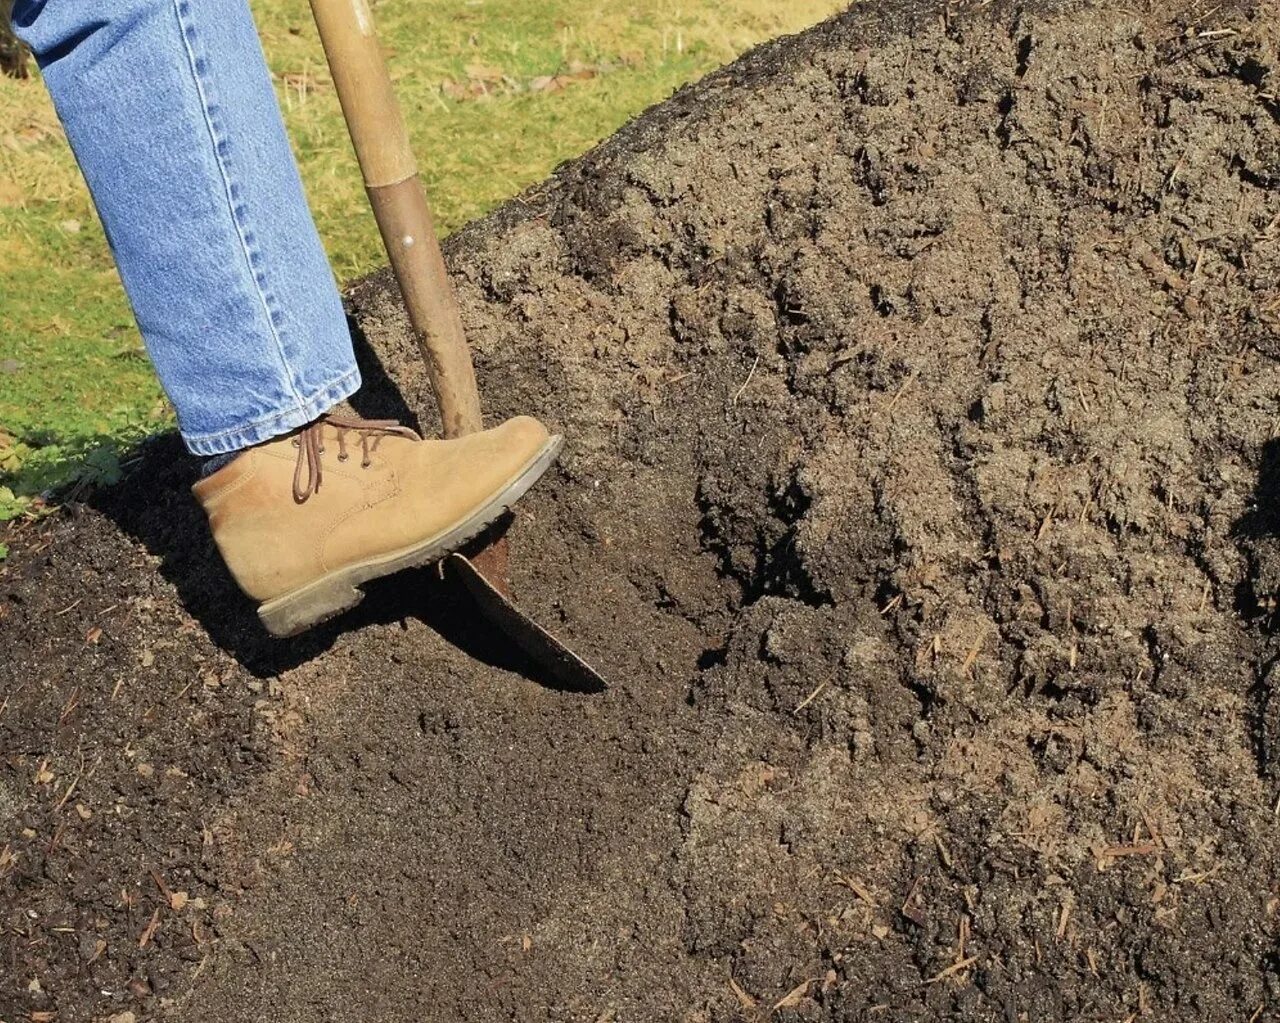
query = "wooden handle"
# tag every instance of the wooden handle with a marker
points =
(400, 205)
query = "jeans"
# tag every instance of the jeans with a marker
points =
(169, 108)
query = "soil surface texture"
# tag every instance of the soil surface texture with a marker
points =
(921, 381)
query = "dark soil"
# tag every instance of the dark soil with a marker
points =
(921, 504)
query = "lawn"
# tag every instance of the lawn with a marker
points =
(498, 92)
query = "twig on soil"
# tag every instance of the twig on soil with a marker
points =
(745, 999)
(944, 853)
(901, 390)
(1195, 271)
(913, 906)
(810, 698)
(200, 969)
(70, 789)
(858, 889)
(793, 996)
(164, 888)
(962, 937)
(746, 382)
(1044, 525)
(1084, 402)
(1207, 43)
(1198, 878)
(1152, 830)
(1116, 852)
(1204, 597)
(80, 775)
(68, 708)
(58, 832)
(128, 901)
(1064, 915)
(1084, 512)
(973, 652)
(150, 931)
(953, 969)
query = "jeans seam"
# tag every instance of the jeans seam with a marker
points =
(252, 256)
(301, 405)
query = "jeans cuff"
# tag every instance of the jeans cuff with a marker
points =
(277, 423)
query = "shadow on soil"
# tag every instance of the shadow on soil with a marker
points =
(153, 505)
(1258, 534)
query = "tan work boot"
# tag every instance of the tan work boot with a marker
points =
(304, 520)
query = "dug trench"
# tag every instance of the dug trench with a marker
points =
(920, 374)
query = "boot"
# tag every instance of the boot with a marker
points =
(304, 520)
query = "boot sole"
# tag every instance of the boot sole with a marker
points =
(339, 591)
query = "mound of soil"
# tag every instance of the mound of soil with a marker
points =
(921, 501)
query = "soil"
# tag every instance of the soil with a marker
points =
(921, 503)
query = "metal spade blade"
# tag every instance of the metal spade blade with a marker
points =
(540, 646)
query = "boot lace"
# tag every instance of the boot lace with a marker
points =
(310, 445)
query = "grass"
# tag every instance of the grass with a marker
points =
(497, 92)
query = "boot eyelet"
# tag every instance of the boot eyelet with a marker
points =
(343, 457)
(295, 442)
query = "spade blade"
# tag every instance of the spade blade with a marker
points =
(568, 669)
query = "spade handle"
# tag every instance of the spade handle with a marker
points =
(400, 205)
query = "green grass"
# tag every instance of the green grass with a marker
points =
(75, 385)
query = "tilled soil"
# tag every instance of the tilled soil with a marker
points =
(920, 375)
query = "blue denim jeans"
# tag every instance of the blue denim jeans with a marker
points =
(170, 110)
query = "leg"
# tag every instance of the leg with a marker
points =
(169, 108)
